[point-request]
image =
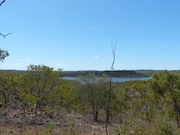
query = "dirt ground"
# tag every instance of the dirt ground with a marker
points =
(23, 122)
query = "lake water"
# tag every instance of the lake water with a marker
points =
(114, 79)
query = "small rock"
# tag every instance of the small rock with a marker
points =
(4, 112)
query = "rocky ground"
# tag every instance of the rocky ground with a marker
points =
(14, 119)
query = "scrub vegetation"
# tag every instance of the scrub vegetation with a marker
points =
(39, 102)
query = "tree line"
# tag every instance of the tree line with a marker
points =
(41, 89)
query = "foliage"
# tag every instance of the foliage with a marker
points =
(9, 87)
(144, 103)
(3, 54)
(63, 96)
(164, 126)
(93, 92)
(39, 82)
(119, 101)
(137, 107)
(166, 85)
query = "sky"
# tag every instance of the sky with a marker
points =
(78, 34)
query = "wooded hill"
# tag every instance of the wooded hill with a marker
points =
(116, 73)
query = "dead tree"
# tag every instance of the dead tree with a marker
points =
(113, 48)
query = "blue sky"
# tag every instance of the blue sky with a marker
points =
(77, 34)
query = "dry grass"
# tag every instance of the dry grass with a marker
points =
(48, 130)
(68, 124)
(76, 124)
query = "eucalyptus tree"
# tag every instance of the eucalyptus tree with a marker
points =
(92, 93)
(4, 88)
(143, 103)
(63, 97)
(166, 85)
(119, 102)
(41, 81)
(9, 87)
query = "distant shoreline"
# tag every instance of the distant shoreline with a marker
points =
(115, 73)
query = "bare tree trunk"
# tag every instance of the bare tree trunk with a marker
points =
(5, 96)
(4, 99)
(96, 114)
(110, 86)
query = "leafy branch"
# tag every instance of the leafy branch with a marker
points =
(3, 55)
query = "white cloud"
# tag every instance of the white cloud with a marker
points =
(96, 56)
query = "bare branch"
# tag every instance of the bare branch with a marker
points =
(2, 2)
(5, 34)
(113, 47)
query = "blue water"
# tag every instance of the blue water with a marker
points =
(114, 79)
(119, 79)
